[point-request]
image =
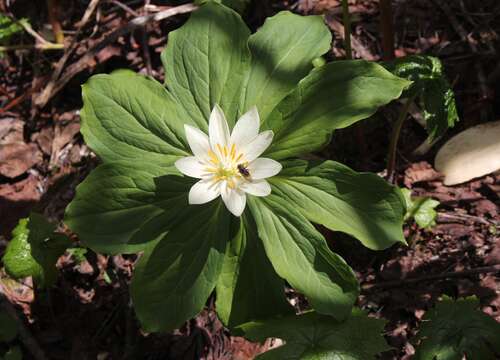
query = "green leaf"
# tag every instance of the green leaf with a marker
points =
(78, 254)
(331, 97)
(421, 209)
(34, 250)
(429, 82)
(248, 287)
(317, 337)
(456, 328)
(8, 28)
(127, 116)
(282, 53)
(176, 274)
(8, 327)
(300, 255)
(440, 111)
(14, 353)
(120, 207)
(416, 68)
(205, 62)
(362, 205)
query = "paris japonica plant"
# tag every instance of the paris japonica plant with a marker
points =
(204, 174)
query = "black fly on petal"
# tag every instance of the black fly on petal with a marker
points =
(242, 169)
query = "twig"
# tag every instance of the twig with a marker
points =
(386, 26)
(56, 25)
(361, 50)
(391, 158)
(144, 43)
(82, 63)
(453, 274)
(27, 27)
(24, 334)
(43, 47)
(464, 217)
(347, 29)
(45, 95)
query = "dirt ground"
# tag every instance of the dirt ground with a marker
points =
(88, 315)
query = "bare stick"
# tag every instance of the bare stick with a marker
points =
(347, 29)
(387, 30)
(362, 51)
(43, 47)
(454, 274)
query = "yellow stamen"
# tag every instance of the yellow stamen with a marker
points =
(220, 149)
(239, 157)
(225, 150)
(211, 170)
(213, 157)
(230, 183)
(233, 151)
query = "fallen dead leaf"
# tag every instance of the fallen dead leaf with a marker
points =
(419, 172)
(62, 136)
(17, 158)
(11, 130)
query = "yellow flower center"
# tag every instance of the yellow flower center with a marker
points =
(225, 165)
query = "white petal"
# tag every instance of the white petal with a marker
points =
(257, 146)
(257, 188)
(235, 200)
(198, 142)
(203, 191)
(191, 166)
(218, 130)
(263, 168)
(246, 129)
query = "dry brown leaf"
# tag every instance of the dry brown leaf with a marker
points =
(17, 158)
(473, 153)
(419, 172)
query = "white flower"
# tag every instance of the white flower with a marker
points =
(228, 164)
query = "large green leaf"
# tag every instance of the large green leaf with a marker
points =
(127, 116)
(34, 250)
(206, 60)
(282, 54)
(429, 82)
(360, 204)
(248, 287)
(331, 97)
(120, 207)
(176, 274)
(457, 328)
(318, 337)
(300, 255)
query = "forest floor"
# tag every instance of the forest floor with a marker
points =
(87, 314)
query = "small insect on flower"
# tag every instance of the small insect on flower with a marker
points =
(242, 169)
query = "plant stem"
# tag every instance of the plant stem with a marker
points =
(53, 9)
(347, 29)
(391, 159)
(47, 46)
(386, 27)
